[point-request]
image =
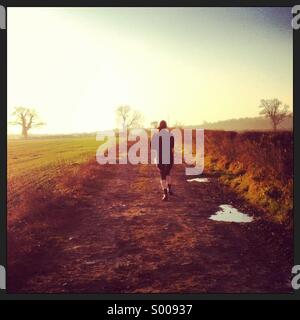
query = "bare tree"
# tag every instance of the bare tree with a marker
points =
(27, 119)
(178, 124)
(154, 124)
(273, 109)
(128, 117)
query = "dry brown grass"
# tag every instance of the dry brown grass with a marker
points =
(65, 190)
(258, 166)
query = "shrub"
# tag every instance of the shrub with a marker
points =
(258, 166)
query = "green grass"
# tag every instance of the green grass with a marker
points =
(35, 162)
(26, 156)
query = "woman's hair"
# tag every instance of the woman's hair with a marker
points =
(162, 125)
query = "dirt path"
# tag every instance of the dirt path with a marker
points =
(128, 241)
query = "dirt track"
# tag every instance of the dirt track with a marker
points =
(128, 241)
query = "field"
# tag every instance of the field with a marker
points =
(36, 155)
(34, 162)
(76, 226)
(256, 165)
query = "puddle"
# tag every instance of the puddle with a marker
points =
(229, 214)
(198, 180)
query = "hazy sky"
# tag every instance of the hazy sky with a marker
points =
(76, 65)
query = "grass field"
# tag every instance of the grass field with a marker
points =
(258, 166)
(34, 162)
(34, 155)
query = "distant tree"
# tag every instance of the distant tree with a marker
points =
(273, 109)
(27, 119)
(128, 117)
(178, 124)
(154, 124)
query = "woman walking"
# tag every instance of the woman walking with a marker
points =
(163, 144)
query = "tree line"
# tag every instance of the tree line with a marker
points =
(127, 117)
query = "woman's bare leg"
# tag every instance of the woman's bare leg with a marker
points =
(164, 184)
(169, 183)
(169, 180)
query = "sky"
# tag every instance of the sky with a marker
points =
(75, 66)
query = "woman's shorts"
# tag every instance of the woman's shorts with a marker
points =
(164, 170)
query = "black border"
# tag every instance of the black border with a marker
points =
(3, 141)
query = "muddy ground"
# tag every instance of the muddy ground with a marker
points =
(126, 240)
